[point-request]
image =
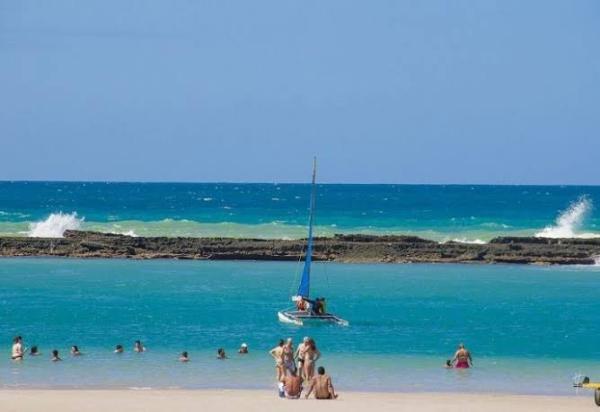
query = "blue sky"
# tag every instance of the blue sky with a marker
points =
(382, 91)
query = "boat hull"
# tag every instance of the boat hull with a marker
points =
(302, 318)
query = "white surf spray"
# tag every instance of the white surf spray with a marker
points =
(570, 221)
(55, 225)
(469, 241)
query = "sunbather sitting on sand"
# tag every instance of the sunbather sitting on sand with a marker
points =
(322, 386)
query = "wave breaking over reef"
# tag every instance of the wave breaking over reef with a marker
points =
(55, 225)
(569, 223)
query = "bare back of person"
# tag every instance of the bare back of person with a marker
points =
(322, 386)
(293, 386)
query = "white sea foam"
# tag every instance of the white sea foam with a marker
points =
(55, 225)
(570, 221)
(469, 241)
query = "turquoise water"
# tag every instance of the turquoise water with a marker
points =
(461, 212)
(531, 329)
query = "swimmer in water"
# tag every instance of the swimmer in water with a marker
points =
(448, 364)
(462, 358)
(75, 351)
(119, 349)
(221, 354)
(17, 349)
(138, 347)
(55, 357)
(34, 351)
(184, 357)
(243, 349)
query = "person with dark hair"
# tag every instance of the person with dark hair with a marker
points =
(34, 351)
(119, 349)
(184, 357)
(292, 385)
(75, 351)
(221, 354)
(138, 347)
(322, 386)
(17, 348)
(277, 354)
(55, 357)
(448, 364)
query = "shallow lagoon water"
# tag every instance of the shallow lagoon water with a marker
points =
(531, 329)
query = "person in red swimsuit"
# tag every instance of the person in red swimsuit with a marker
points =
(462, 358)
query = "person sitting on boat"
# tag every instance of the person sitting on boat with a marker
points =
(301, 304)
(462, 358)
(323, 306)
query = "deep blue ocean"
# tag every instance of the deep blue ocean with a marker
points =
(466, 213)
(531, 329)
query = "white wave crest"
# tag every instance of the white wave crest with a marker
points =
(469, 241)
(55, 225)
(570, 221)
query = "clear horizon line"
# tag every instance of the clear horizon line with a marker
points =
(293, 183)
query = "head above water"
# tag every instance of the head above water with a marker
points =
(33, 350)
(461, 346)
(74, 348)
(55, 353)
(184, 354)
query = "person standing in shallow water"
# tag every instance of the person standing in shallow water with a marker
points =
(462, 358)
(184, 357)
(277, 354)
(17, 348)
(221, 354)
(287, 355)
(311, 356)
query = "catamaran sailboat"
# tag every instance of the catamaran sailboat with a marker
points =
(305, 309)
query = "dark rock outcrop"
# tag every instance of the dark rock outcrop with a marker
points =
(341, 248)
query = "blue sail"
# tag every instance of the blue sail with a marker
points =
(304, 288)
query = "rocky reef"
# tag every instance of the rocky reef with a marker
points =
(340, 248)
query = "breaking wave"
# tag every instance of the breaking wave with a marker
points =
(569, 223)
(469, 241)
(55, 225)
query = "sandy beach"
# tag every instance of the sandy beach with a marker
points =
(249, 401)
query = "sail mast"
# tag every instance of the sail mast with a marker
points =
(304, 288)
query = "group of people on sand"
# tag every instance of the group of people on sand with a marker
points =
(293, 367)
(315, 307)
(19, 350)
(461, 360)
